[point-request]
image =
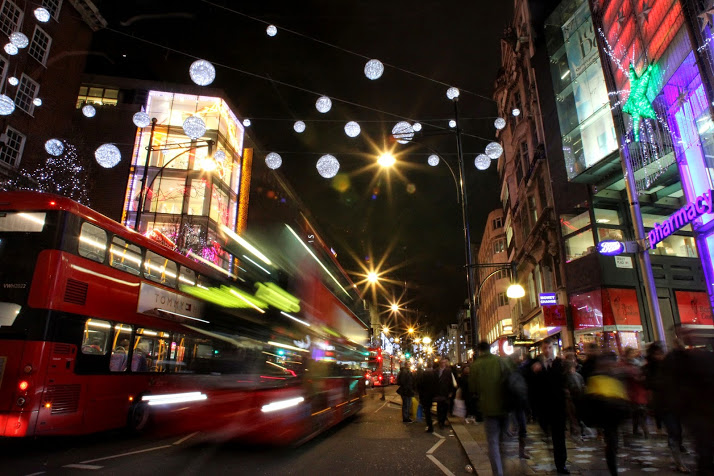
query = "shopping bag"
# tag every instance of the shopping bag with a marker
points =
(420, 413)
(415, 404)
(460, 408)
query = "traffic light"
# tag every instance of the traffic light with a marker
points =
(407, 355)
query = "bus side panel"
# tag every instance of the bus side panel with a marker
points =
(109, 398)
(45, 279)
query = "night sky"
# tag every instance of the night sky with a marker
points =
(412, 210)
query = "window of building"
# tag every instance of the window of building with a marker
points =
(97, 96)
(502, 299)
(498, 223)
(533, 207)
(607, 217)
(40, 45)
(542, 192)
(10, 17)
(525, 155)
(125, 256)
(14, 145)
(676, 245)
(499, 246)
(3, 69)
(27, 91)
(578, 245)
(159, 269)
(53, 6)
(96, 337)
(120, 350)
(572, 222)
(517, 104)
(92, 243)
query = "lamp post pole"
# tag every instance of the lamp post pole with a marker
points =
(467, 230)
(140, 205)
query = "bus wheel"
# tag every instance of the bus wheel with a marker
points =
(138, 418)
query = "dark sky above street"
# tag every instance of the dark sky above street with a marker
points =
(414, 212)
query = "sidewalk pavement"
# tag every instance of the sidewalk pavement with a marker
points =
(636, 456)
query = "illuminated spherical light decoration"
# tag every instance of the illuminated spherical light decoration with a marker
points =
(37, 102)
(452, 123)
(499, 123)
(7, 106)
(273, 160)
(299, 127)
(13, 81)
(373, 69)
(19, 39)
(89, 111)
(328, 166)
(220, 156)
(202, 72)
(42, 14)
(246, 122)
(416, 126)
(54, 147)
(516, 112)
(452, 93)
(482, 162)
(107, 155)
(403, 132)
(11, 49)
(141, 119)
(323, 104)
(272, 30)
(494, 150)
(194, 127)
(433, 160)
(352, 129)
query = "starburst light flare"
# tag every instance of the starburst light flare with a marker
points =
(202, 72)
(107, 155)
(352, 129)
(194, 127)
(373, 69)
(273, 160)
(328, 166)
(323, 104)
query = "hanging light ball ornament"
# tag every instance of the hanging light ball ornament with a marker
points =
(13, 81)
(272, 30)
(328, 166)
(403, 132)
(202, 72)
(452, 123)
(11, 49)
(494, 150)
(482, 162)
(433, 160)
(352, 129)
(273, 160)
(7, 106)
(194, 127)
(246, 122)
(19, 39)
(452, 93)
(37, 102)
(89, 111)
(220, 156)
(373, 69)
(299, 127)
(42, 14)
(107, 155)
(54, 147)
(499, 123)
(416, 126)
(323, 104)
(516, 112)
(141, 119)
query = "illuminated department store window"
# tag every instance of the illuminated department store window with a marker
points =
(680, 244)
(219, 206)
(166, 195)
(608, 223)
(197, 197)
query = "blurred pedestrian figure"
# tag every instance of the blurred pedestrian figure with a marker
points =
(446, 389)
(406, 390)
(636, 391)
(468, 394)
(517, 399)
(427, 386)
(574, 386)
(549, 383)
(487, 379)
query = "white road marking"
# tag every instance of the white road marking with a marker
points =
(385, 404)
(185, 438)
(127, 454)
(436, 434)
(82, 466)
(436, 445)
(438, 464)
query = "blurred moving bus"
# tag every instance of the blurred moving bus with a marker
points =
(381, 368)
(101, 328)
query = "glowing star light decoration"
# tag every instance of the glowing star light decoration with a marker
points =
(7, 106)
(10, 49)
(37, 102)
(494, 150)
(433, 160)
(19, 39)
(403, 132)
(299, 127)
(452, 123)
(452, 93)
(107, 155)
(373, 69)
(273, 160)
(637, 105)
(13, 81)
(499, 123)
(54, 147)
(42, 14)
(272, 30)
(416, 126)
(89, 111)
(141, 119)
(202, 72)
(246, 122)
(352, 129)
(194, 127)
(328, 166)
(482, 161)
(323, 104)
(516, 112)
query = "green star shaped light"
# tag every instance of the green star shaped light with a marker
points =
(637, 105)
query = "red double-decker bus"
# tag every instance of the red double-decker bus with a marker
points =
(101, 327)
(381, 368)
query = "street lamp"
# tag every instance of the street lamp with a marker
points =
(386, 160)
(410, 330)
(426, 340)
(514, 290)
(394, 307)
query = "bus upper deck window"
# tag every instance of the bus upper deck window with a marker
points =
(125, 256)
(159, 269)
(92, 243)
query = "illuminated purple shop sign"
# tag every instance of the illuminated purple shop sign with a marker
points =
(685, 215)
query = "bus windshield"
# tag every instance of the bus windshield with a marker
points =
(23, 235)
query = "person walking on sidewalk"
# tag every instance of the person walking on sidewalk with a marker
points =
(446, 389)
(405, 380)
(549, 382)
(487, 379)
(427, 386)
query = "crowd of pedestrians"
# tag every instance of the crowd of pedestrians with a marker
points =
(590, 395)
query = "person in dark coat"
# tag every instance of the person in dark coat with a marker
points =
(427, 386)
(406, 390)
(445, 390)
(548, 379)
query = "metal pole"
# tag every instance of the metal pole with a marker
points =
(643, 255)
(140, 205)
(467, 231)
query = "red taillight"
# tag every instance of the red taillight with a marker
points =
(380, 377)
(52, 203)
(23, 385)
